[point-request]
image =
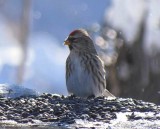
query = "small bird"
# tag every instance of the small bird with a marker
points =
(85, 73)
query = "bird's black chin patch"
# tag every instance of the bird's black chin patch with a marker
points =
(70, 47)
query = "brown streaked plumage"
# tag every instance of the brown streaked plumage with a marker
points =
(85, 73)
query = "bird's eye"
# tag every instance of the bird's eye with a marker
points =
(71, 39)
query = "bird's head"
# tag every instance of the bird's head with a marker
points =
(79, 40)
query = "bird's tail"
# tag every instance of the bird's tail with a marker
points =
(106, 93)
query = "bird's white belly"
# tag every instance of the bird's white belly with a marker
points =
(80, 81)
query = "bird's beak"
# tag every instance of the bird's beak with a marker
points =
(66, 42)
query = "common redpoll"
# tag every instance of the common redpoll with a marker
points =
(85, 73)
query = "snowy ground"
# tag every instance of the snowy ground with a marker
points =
(50, 110)
(137, 124)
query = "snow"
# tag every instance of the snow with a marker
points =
(46, 70)
(126, 16)
(10, 52)
(14, 91)
(45, 65)
(152, 33)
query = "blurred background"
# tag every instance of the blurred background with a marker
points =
(126, 35)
